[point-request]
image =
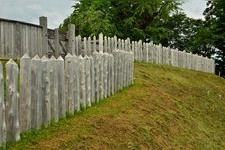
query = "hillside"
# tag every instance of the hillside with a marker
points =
(166, 108)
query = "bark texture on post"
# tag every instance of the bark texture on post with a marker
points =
(25, 93)
(61, 88)
(82, 83)
(2, 110)
(12, 96)
(76, 66)
(71, 39)
(36, 101)
(46, 110)
(69, 80)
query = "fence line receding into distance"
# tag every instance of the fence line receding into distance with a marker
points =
(60, 73)
(18, 38)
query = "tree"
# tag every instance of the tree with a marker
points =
(91, 18)
(210, 40)
(182, 31)
(136, 19)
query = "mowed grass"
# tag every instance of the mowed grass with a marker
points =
(166, 108)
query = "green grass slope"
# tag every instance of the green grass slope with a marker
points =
(166, 108)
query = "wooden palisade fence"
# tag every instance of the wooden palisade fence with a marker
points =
(18, 38)
(50, 88)
(61, 74)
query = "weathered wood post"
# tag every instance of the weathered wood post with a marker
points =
(131, 68)
(105, 48)
(160, 55)
(129, 58)
(101, 43)
(213, 66)
(172, 61)
(146, 52)
(119, 44)
(12, 96)
(61, 88)
(54, 88)
(79, 45)
(168, 55)
(69, 83)
(164, 54)
(101, 76)
(105, 74)
(209, 65)
(189, 60)
(151, 52)
(132, 46)
(154, 49)
(158, 59)
(76, 76)
(89, 49)
(88, 81)
(176, 57)
(113, 75)
(71, 39)
(122, 45)
(94, 44)
(43, 21)
(36, 102)
(97, 75)
(82, 83)
(123, 57)
(124, 68)
(92, 67)
(179, 59)
(85, 46)
(192, 61)
(116, 43)
(2, 110)
(56, 43)
(109, 77)
(109, 45)
(115, 71)
(136, 50)
(46, 110)
(17, 49)
(25, 93)
(118, 71)
(101, 67)
(140, 50)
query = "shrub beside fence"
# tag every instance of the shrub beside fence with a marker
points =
(50, 88)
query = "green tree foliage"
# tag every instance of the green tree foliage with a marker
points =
(210, 39)
(183, 31)
(91, 18)
(159, 21)
(137, 19)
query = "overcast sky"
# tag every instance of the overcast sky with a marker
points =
(194, 8)
(58, 10)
